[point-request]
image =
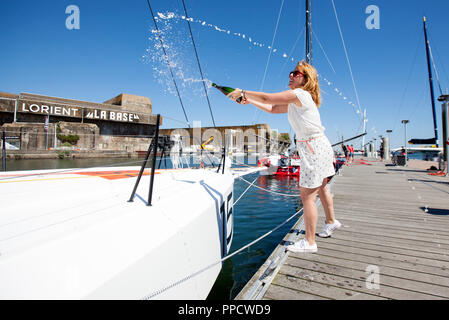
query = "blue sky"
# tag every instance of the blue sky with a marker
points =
(114, 52)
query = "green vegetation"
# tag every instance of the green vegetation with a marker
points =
(67, 140)
(72, 139)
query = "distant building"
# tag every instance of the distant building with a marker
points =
(39, 122)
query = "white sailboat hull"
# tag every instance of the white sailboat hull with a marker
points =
(73, 235)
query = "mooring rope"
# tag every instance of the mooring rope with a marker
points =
(235, 202)
(270, 191)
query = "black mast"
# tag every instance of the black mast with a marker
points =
(308, 32)
(432, 96)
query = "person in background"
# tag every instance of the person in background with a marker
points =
(346, 152)
(348, 155)
(301, 104)
(381, 150)
(351, 153)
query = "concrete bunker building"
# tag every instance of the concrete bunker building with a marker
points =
(36, 123)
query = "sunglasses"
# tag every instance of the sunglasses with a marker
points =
(296, 73)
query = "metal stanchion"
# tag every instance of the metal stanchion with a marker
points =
(152, 147)
(444, 120)
(153, 164)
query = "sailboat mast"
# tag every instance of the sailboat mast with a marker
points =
(308, 32)
(432, 95)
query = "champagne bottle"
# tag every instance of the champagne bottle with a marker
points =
(226, 90)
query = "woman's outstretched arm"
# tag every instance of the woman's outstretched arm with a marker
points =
(279, 98)
(277, 108)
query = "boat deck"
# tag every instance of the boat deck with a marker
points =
(394, 242)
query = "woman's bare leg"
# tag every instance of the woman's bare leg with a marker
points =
(327, 201)
(308, 198)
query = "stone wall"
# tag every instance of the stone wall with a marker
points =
(33, 137)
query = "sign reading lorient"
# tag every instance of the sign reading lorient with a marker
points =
(51, 110)
(78, 112)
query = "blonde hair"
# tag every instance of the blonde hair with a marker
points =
(311, 77)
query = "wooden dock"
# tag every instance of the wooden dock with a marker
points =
(394, 242)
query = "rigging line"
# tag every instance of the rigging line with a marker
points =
(346, 54)
(199, 65)
(268, 59)
(327, 58)
(408, 81)
(174, 284)
(439, 57)
(292, 49)
(168, 62)
(435, 69)
(418, 102)
(271, 47)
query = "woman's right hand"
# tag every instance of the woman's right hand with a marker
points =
(234, 95)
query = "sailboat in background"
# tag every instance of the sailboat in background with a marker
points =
(433, 142)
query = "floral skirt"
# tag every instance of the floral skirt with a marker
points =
(316, 161)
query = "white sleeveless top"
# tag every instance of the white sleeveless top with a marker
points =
(305, 120)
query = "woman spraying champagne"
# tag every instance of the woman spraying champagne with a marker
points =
(301, 103)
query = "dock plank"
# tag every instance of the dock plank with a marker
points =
(354, 281)
(278, 292)
(394, 218)
(393, 271)
(432, 289)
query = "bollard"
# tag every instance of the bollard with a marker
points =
(386, 145)
(371, 150)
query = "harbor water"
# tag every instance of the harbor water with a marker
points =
(256, 213)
